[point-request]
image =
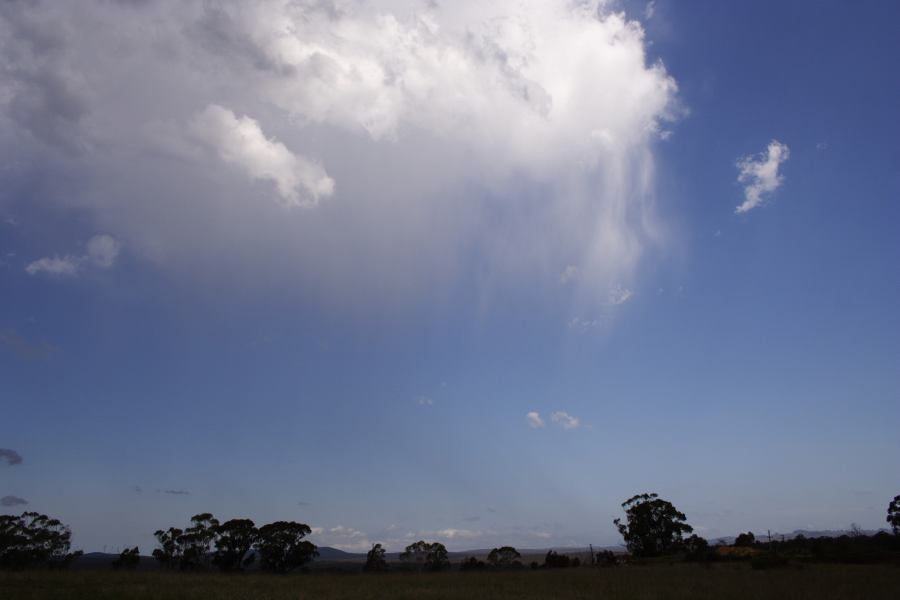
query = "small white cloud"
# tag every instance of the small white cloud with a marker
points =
(424, 401)
(66, 266)
(565, 420)
(718, 233)
(822, 146)
(569, 274)
(102, 251)
(582, 325)
(241, 142)
(760, 175)
(534, 420)
(650, 10)
(620, 295)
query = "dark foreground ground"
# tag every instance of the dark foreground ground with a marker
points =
(815, 582)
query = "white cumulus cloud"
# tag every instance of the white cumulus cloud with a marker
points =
(760, 175)
(101, 252)
(520, 133)
(534, 420)
(565, 420)
(241, 142)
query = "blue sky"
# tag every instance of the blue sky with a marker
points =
(326, 274)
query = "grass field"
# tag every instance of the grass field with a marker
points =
(815, 582)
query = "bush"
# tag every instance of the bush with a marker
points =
(130, 558)
(472, 564)
(606, 558)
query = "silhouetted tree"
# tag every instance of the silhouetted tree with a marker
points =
(196, 541)
(745, 539)
(504, 557)
(654, 526)
(169, 552)
(696, 549)
(375, 561)
(129, 558)
(424, 555)
(893, 514)
(34, 540)
(234, 541)
(556, 561)
(282, 548)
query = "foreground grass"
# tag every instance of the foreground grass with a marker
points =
(815, 582)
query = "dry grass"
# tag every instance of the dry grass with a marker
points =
(814, 582)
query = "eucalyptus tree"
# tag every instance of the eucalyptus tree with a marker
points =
(653, 526)
(234, 545)
(281, 546)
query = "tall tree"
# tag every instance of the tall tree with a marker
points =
(375, 561)
(196, 541)
(282, 548)
(893, 514)
(653, 526)
(234, 541)
(169, 552)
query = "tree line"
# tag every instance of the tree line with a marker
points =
(652, 527)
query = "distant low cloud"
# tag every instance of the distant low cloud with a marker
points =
(240, 141)
(177, 492)
(565, 420)
(302, 503)
(760, 176)
(101, 252)
(534, 420)
(424, 401)
(12, 501)
(10, 456)
(348, 539)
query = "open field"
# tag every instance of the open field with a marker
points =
(815, 582)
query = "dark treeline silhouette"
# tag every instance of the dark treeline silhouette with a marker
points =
(652, 529)
(34, 540)
(237, 543)
(422, 555)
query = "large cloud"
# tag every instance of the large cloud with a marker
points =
(507, 140)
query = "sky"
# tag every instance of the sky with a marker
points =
(467, 272)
